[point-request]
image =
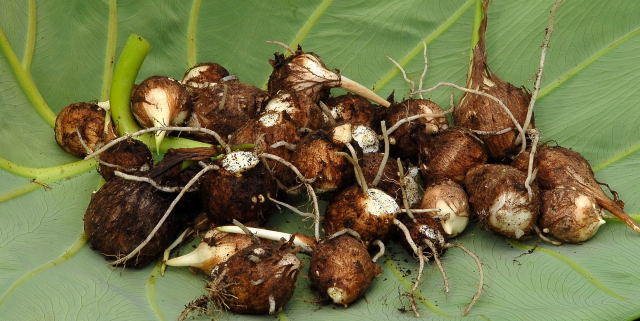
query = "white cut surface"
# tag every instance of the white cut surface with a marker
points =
(338, 295)
(281, 103)
(270, 119)
(379, 203)
(342, 133)
(366, 138)
(239, 161)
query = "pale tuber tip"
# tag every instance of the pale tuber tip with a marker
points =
(358, 89)
(196, 258)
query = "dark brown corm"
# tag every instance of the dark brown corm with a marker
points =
(86, 119)
(569, 215)
(121, 215)
(259, 279)
(224, 106)
(405, 136)
(341, 269)
(354, 109)
(500, 199)
(228, 195)
(480, 112)
(315, 156)
(424, 228)
(129, 156)
(450, 154)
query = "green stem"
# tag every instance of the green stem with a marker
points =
(54, 172)
(110, 50)
(192, 53)
(124, 76)
(477, 18)
(30, 43)
(26, 82)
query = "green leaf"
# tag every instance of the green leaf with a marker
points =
(588, 102)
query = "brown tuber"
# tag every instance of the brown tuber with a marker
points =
(370, 214)
(239, 190)
(121, 215)
(481, 113)
(129, 156)
(341, 269)
(315, 156)
(258, 279)
(354, 109)
(560, 167)
(305, 73)
(224, 106)
(450, 154)
(86, 119)
(570, 216)
(404, 136)
(501, 201)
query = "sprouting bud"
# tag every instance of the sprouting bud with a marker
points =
(215, 248)
(452, 201)
(160, 101)
(306, 73)
(86, 119)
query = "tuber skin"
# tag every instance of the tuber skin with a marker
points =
(450, 154)
(355, 109)
(405, 145)
(268, 129)
(560, 167)
(481, 113)
(315, 156)
(501, 201)
(130, 156)
(341, 269)
(204, 73)
(86, 119)
(259, 279)
(122, 213)
(229, 194)
(224, 106)
(301, 109)
(570, 216)
(371, 215)
(423, 228)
